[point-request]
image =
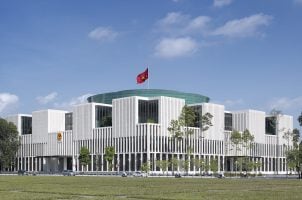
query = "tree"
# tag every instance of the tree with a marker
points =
(9, 143)
(186, 120)
(199, 164)
(145, 167)
(214, 165)
(294, 155)
(246, 141)
(84, 157)
(174, 163)
(180, 129)
(109, 155)
(163, 165)
(236, 140)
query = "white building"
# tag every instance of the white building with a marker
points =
(135, 123)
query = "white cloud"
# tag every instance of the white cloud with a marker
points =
(221, 3)
(176, 23)
(175, 47)
(48, 98)
(7, 100)
(173, 18)
(198, 23)
(245, 27)
(286, 104)
(74, 101)
(103, 34)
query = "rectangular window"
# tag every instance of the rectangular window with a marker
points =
(228, 121)
(147, 111)
(198, 115)
(103, 116)
(270, 125)
(68, 121)
(26, 125)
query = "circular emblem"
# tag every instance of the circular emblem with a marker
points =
(59, 136)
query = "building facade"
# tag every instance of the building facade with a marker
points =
(135, 123)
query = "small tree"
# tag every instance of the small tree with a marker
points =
(174, 163)
(247, 143)
(145, 167)
(199, 164)
(163, 165)
(109, 156)
(84, 157)
(9, 143)
(214, 165)
(236, 141)
(180, 129)
(294, 155)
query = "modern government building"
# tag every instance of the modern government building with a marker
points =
(135, 123)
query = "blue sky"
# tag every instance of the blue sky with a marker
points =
(240, 53)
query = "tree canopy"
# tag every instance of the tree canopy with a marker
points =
(9, 143)
(180, 128)
(84, 157)
(109, 155)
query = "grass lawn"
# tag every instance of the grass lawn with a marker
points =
(80, 187)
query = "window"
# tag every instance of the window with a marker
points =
(103, 116)
(270, 125)
(26, 125)
(68, 121)
(198, 114)
(147, 111)
(228, 121)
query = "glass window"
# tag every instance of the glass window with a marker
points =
(68, 121)
(228, 121)
(103, 116)
(270, 125)
(147, 111)
(198, 114)
(26, 125)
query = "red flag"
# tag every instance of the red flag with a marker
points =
(142, 77)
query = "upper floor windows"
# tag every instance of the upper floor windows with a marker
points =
(228, 121)
(68, 121)
(103, 116)
(270, 125)
(147, 111)
(26, 125)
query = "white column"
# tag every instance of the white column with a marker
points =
(40, 164)
(124, 162)
(218, 160)
(18, 163)
(32, 163)
(28, 163)
(92, 162)
(78, 164)
(64, 163)
(73, 163)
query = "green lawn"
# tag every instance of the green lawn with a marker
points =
(59, 187)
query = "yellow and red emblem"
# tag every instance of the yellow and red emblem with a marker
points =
(59, 136)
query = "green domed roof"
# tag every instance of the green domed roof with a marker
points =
(189, 98)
